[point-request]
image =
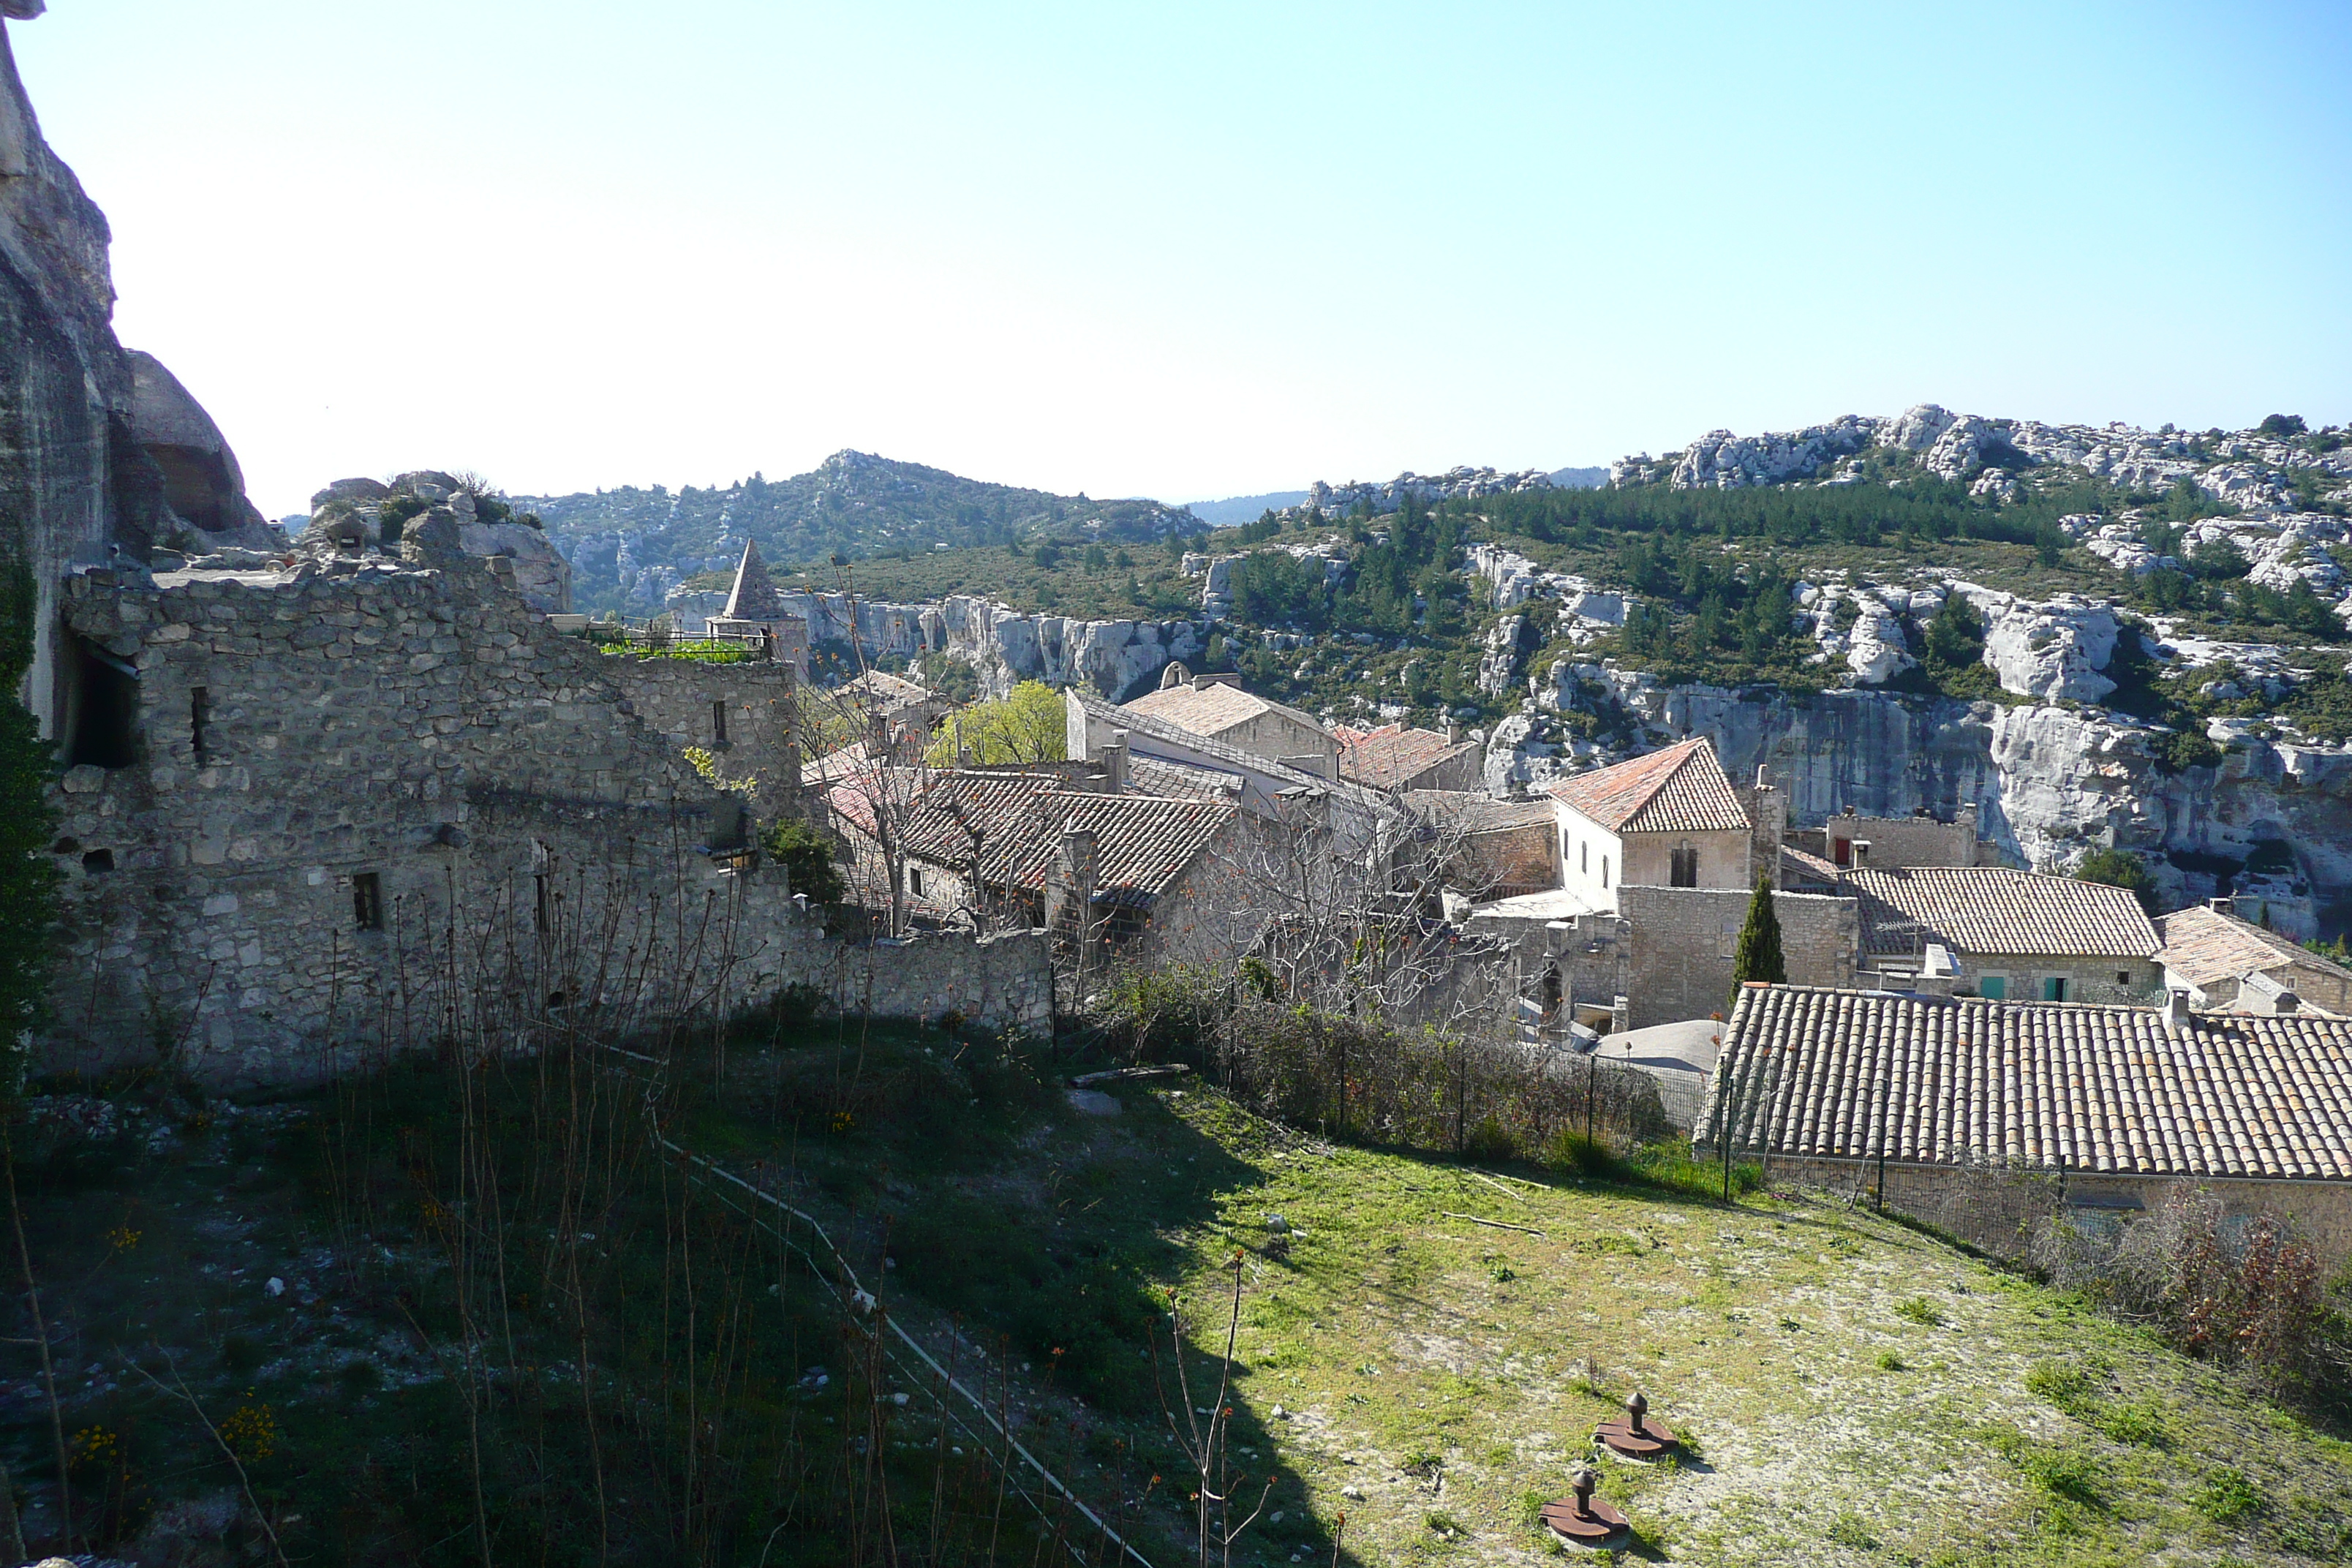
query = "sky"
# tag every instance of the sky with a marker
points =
(1199, 250)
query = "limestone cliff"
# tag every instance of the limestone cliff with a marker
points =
(79, 481)
(2050, 783)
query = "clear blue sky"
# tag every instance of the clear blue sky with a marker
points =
(1199, 249)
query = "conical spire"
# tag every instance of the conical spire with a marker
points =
(754, 596)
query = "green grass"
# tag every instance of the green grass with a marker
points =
(1449, 1372)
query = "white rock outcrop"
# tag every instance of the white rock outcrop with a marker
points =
(2053, 651)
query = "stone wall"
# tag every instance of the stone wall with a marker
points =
(2132, 982)
(1995, 1209)
(377, 805)
(678, 697)
(1723, 859)
(1685, 941)
(1900, 843)
(996, 982)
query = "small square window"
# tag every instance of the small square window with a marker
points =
(2123, 977)
(367, 901)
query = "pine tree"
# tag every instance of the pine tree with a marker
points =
(1760, 943)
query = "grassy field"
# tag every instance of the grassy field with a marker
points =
(1856, 1393)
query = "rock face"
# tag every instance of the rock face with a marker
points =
(1463, 483)
(2050, 783)
(202, 482)
(77, 479)
(368, 514)
(1006, 647)
(2053, 651)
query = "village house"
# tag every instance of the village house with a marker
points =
(2015, 935)
(1670, 819)
(992, 849)
(1216, 707)
(1396, 758)
(1944, 1104)
(2231, 964)
(1490, 848)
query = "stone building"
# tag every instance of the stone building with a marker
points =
(2231, 964)
(1670, 819)
(756, 612)
(2015, 934)
(1850, 841)
(323, 809)
(1216, 707)
(1488, 849)
(1981, 1115)
(1397, 758)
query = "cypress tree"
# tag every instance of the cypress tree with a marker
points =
(1760, 943)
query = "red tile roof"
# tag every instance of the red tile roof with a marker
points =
(1992, 910)
(1679, 790)
(1392, 756)
(2098, 1089)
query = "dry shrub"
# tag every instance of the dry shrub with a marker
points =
(1430, 1090)
(2247, 1294)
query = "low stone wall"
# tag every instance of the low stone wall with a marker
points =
(1685, 941)
(1995, 1209)
(1002, 981)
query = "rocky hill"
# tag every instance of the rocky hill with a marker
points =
(629, 547)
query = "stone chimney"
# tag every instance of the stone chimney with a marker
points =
(2176, 1012)
(1115, 755)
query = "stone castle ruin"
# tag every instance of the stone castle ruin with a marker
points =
(367, 788)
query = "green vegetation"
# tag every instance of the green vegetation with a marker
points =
(2119, 868)
(1027, 725)
(1430, 1364)
(28, 876)
(1759, 959)
(699, 652)
(806, 857)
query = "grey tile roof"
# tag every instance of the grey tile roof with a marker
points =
(1214, 708)
(1678, 790)
(1992, 910)
(2045, 1086)
(1014, 823)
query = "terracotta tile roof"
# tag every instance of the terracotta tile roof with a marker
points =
(992, 812)
(1954, 1082)
(1679, 790)
(1392, 756)
(2202, 946)
(1143, 842)
(1211, 710)
(1472, 812)
(1989, 909)
(880, 691)
(1803, 862)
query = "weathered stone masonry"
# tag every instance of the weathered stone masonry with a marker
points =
(374, 803)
